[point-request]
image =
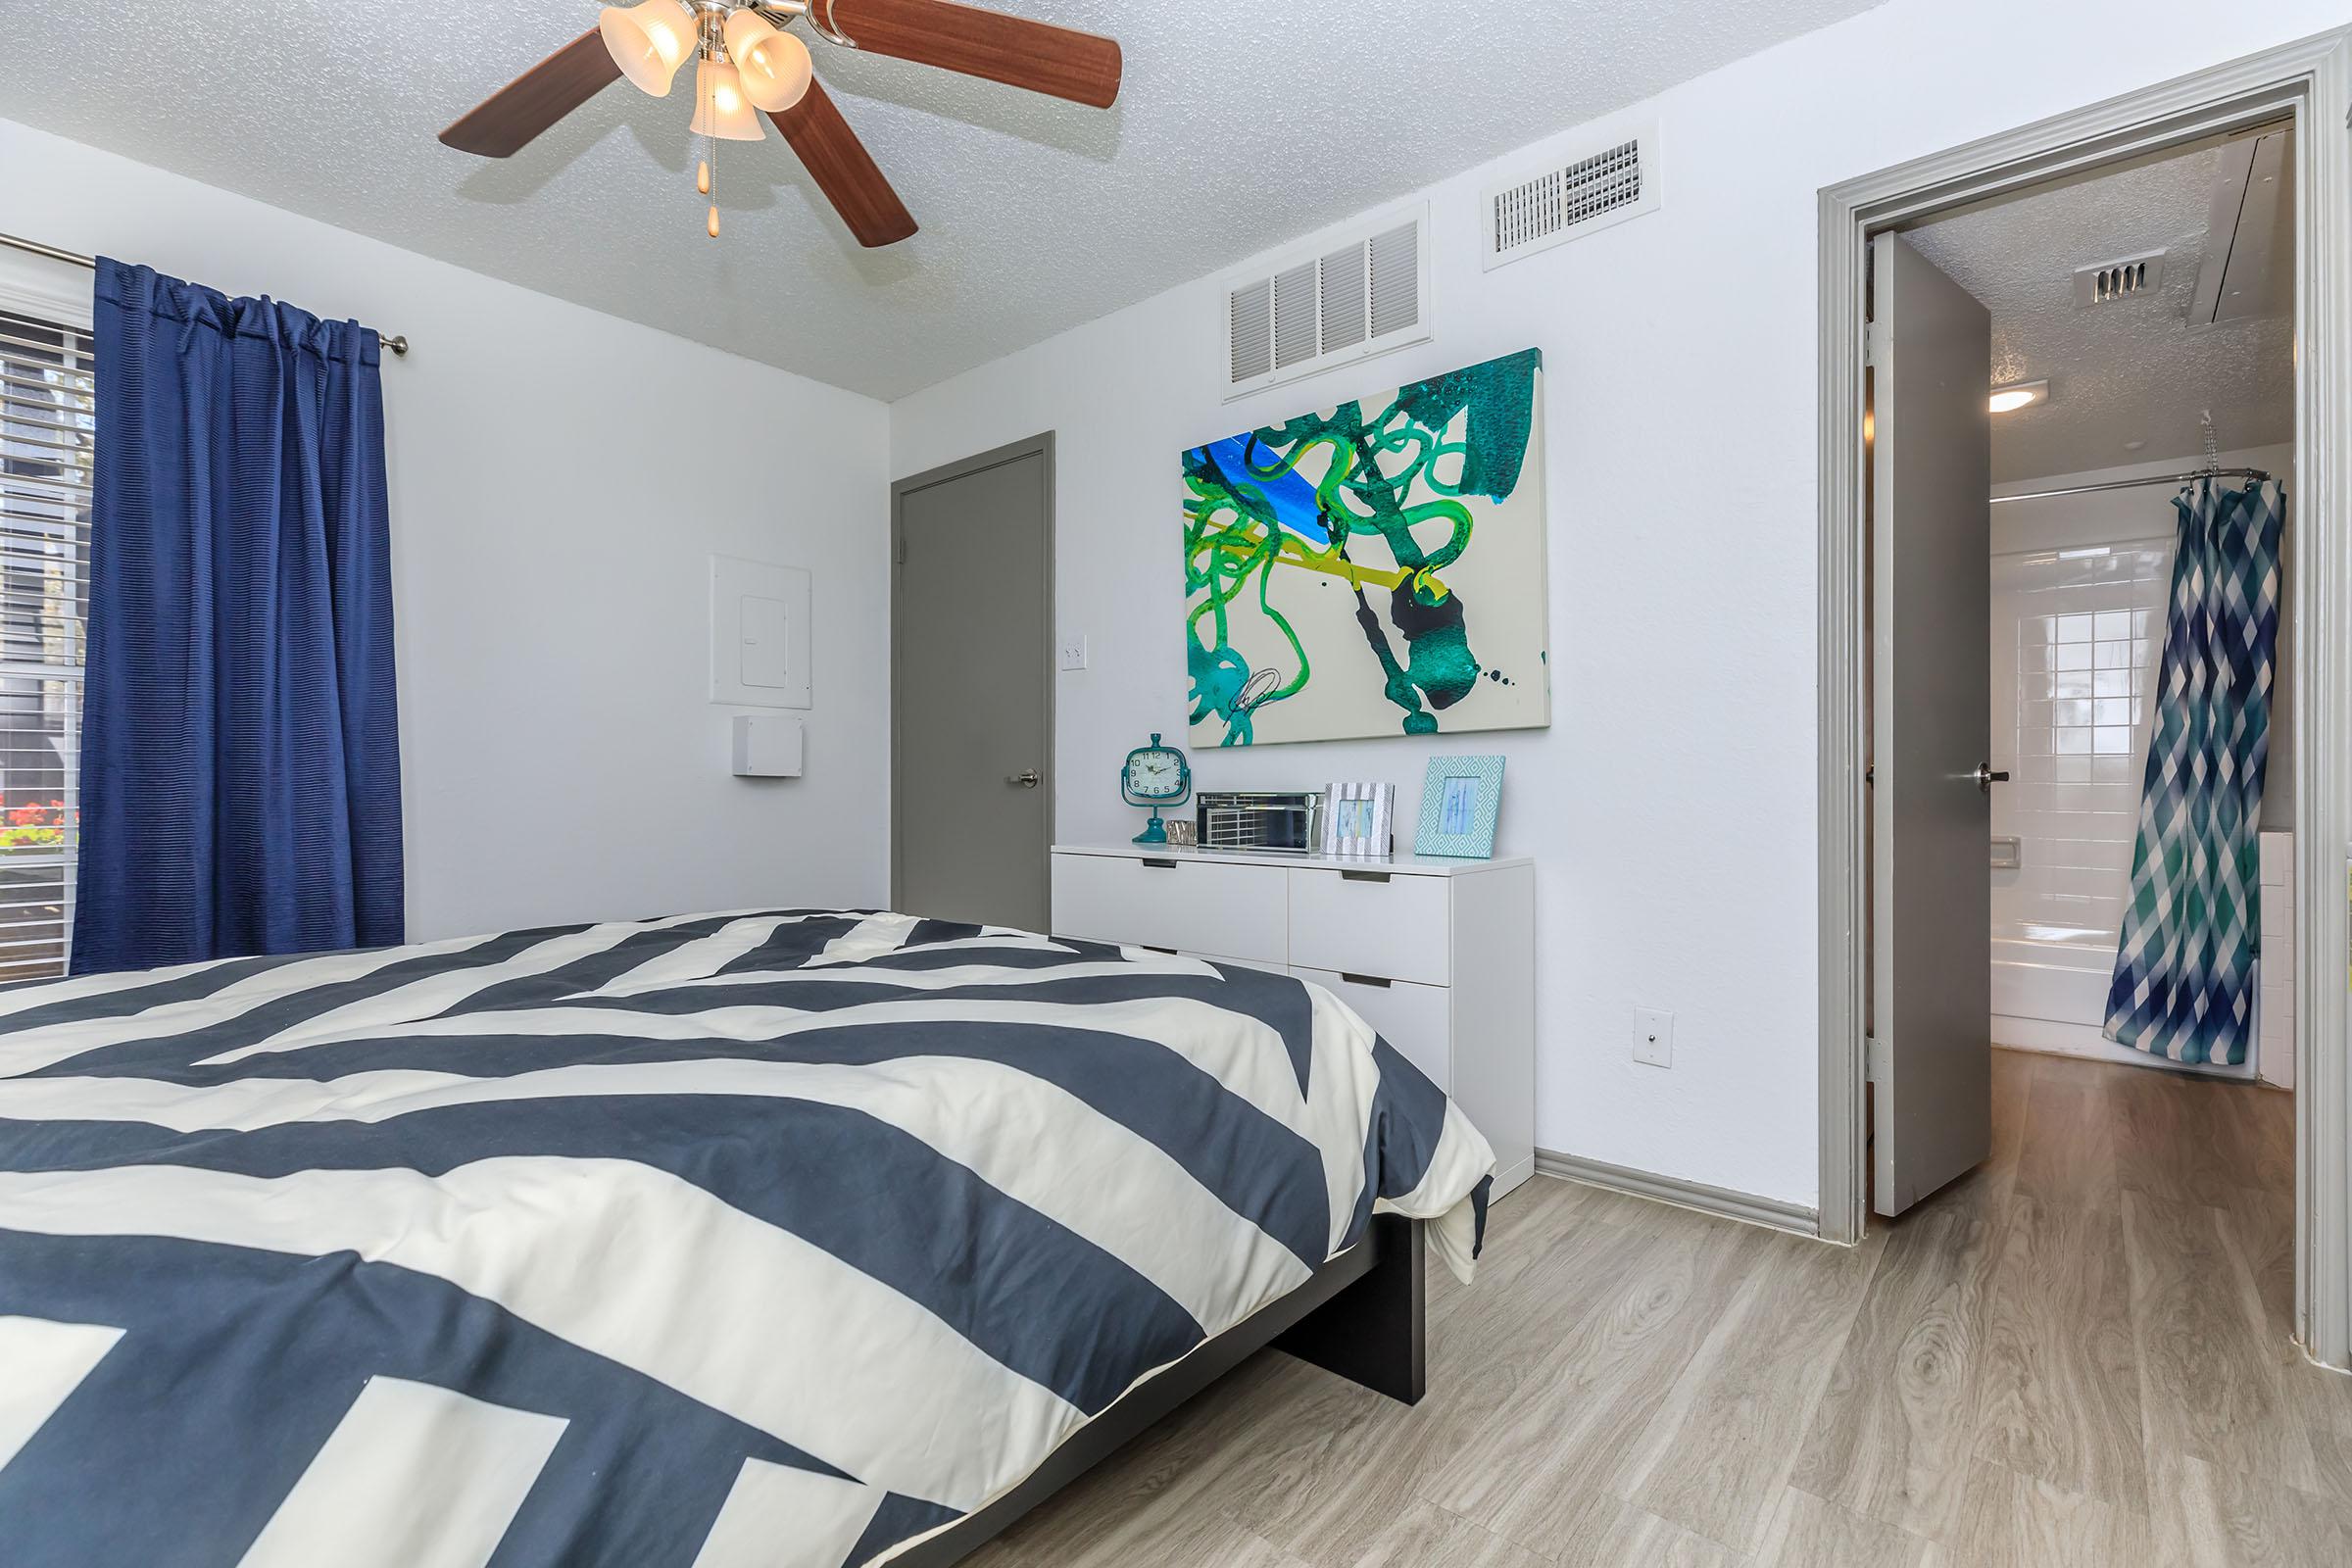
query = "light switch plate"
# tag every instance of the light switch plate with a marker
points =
(1653, 1037)
(1073, 652)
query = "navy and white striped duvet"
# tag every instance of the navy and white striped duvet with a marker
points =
(778, 1239)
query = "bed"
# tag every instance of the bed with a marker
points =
(798, 1238)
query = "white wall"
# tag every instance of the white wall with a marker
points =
(1672, 803)
(560, 759)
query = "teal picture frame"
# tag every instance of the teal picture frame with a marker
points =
(1461, 798)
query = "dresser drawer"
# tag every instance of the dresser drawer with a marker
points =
(1372, 922)
(1416, 1020)
(1192, 905)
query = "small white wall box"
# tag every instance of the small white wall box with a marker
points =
(758, 634)
(768, 746)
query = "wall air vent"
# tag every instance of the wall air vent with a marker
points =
(1590, 189)
(1360, 292)
(2133, 278)
(1250, 331)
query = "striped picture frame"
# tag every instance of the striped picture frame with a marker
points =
(1357, 819)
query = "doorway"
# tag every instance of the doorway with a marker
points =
(1877, 1003)
(972, 688)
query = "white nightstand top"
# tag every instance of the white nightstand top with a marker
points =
(1397, 865)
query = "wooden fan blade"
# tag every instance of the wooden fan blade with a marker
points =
(843, 169)
(508, 119)
(1081, 66)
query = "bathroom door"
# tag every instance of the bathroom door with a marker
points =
(1930, 690)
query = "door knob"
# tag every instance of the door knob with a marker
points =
(1029, 780)
(1986, 778)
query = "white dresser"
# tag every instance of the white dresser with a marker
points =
(1439, 956)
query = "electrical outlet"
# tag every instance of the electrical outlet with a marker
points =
(1653, 1037)
(1073, 652)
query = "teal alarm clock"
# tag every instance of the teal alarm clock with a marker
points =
(1156, 775)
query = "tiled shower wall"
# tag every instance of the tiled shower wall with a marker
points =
(2075, 632)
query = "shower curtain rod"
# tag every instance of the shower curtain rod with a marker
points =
(398, 345)
(2255, 475)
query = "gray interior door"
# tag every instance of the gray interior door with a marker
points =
(971, 644)
(1931, 686)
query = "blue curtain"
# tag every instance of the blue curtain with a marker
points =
(240, 756)
(2185, 970)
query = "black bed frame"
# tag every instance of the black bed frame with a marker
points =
(1360, 1316)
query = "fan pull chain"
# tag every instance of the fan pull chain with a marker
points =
(713, 192)
(706, 178)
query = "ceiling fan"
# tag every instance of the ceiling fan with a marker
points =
(747, 66)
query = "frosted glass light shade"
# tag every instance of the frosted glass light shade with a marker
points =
(773, 63)
(649, 41)
(720, 109)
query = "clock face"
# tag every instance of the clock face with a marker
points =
(1156, 775)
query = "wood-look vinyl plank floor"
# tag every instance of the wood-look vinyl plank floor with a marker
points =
(1809, 1532)
(2076, 1355)
(2007, 1519)
(2212, 1384)
(1899, 1424)
(1533, 1465)
(2057, 1396)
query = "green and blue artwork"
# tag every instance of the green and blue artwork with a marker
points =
(1373, 568)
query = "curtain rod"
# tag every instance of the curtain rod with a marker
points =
(398, 345)
(2255, 475)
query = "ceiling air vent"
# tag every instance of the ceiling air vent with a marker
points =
(2133, 278)
(1587, 190)
(1359, 293)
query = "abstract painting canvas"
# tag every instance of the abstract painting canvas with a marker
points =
(1374, 569)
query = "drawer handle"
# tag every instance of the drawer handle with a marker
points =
(1364, 876)
(1366, 980)
(1159, 866)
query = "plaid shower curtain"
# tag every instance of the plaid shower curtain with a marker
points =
(2184, 973)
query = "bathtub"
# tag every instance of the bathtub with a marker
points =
(2049, 993)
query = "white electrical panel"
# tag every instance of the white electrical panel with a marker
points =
(768, 746)
(759, 639)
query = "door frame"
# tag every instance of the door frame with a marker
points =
(1037, 446)
(2310, 81)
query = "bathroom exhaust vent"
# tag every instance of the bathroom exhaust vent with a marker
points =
(2129, 279)
(1358, 292)
(1590, 189)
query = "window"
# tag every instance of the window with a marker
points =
(48, 421)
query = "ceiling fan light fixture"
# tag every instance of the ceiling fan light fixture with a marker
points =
(649, 41)
(720, 109)
(773, 63)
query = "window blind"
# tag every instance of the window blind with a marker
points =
(48, 423)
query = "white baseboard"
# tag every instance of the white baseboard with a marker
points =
(1746, 1207)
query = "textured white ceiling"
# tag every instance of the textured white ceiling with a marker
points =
(2120, 372)
(1241, 127)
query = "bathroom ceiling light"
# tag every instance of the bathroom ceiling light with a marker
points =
(2019, 395)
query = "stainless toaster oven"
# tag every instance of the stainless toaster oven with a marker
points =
(1281, 821)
